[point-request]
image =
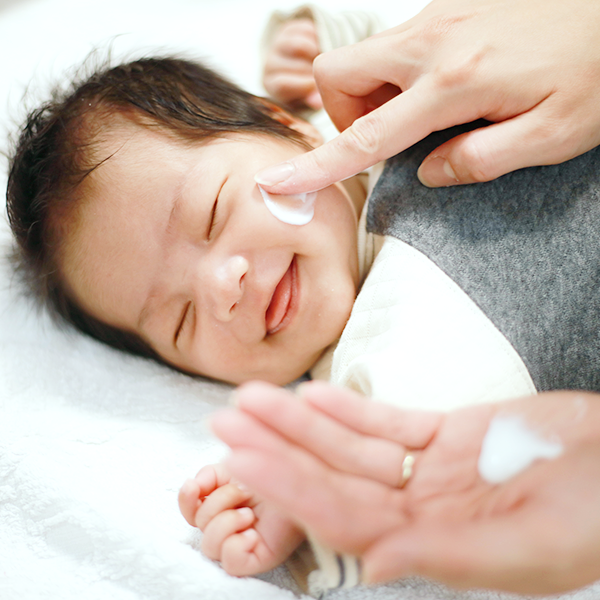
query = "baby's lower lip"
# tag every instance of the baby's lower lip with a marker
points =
(279, 311)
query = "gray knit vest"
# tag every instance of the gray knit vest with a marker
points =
(525, 248)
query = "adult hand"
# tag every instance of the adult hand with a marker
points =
(531, 67)
(332, 461)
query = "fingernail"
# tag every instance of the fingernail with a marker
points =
(187, 485)
(241, 486)
(437, 172)
(246, 512)
(277, 174)
(250, 534)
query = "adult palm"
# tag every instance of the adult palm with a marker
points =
(333, 462)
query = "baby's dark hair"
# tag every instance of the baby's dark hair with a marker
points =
(55, 152)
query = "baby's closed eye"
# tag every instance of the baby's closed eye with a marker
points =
(213, 219)
(214, 214)
(183, 321)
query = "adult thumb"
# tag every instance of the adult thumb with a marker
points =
(489, 152)
(500, 553)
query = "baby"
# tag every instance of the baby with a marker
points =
(134, 204)
(133, 201)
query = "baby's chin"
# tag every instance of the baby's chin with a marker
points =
(283, 374)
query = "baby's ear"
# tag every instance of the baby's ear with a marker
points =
(310, 132)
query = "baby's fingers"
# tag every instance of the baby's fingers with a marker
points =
(289, 87)
(189, 500)
(224, 525)
(246, 553)
(193, 491)
(211, 477)
(339, 446)
(226, 497)
(297, 39)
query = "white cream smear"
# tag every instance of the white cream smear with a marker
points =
(509, 447)
(295, 209)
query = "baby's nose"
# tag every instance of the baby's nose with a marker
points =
(228, 286)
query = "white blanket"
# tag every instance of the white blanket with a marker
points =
(94, 444)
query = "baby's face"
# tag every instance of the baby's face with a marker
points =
(174, 242)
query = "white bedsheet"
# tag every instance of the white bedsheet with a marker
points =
(95, 444)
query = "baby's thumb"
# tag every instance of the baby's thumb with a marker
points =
(314, 100)
(486, 153)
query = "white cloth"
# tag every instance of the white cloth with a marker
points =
(334, 30)
(416, 340)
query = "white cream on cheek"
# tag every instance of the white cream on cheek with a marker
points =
(509, 447)
(295, 209)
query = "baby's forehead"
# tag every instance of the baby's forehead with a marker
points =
(118, 144)
(109, 127)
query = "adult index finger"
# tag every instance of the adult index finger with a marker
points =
(286, 419)
(412, 428)
(388, 130)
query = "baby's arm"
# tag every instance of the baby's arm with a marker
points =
(245, 533)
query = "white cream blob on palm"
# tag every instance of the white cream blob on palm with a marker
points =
(295, 209)
(510, 446)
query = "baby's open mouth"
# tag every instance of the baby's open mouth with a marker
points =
(279, 311)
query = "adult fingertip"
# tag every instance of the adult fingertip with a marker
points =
(251, 397)
(436, 171)
(243, 391)
(222, 421)
(276, 174)
(307, 389)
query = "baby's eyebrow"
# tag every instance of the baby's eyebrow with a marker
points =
(175, 210)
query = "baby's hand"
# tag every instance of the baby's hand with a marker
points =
(245, 533)
(288, 74)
